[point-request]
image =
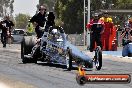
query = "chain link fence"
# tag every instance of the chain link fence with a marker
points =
(78, 39)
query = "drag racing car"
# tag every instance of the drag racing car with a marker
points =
(53, 47)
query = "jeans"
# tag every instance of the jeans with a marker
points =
(127, 49)
(3, 39)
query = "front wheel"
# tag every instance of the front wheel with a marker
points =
(98, 58)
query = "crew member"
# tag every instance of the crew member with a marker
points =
(107, 34)
(48, 27)
(50, 20)
(96, 28)
(39, 20)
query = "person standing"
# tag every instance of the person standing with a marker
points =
(39, 20)
(96, 28)
(108, 30)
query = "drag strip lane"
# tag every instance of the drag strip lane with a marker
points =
(43, 75)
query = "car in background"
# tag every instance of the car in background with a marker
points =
(17, 35)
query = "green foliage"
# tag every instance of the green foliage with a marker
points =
(21, 20)
(4, 4)
(48, 3)
(71, 13)
(117, 4)
(58, 22)
(124, 4)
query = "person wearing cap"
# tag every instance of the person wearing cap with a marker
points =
(7, 33)
(96, 28)
(39, 20)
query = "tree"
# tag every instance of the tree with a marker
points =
(21, 20)
(4, 6)
(71, 13)
(48, 3)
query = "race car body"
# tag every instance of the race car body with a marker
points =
(53, 48)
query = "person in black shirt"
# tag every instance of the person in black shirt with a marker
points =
(6, 30)
(39, 20)
(50, 24)
(50, 21)
(9, 25)
(3, 34)
(96, 31)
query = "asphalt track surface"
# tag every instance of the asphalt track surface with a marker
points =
(15, 74)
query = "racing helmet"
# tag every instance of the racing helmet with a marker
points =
(54, 31)
(51, 18)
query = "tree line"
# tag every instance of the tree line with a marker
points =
(70, 12)
(6, 7)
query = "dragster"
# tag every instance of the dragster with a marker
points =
(54, 47)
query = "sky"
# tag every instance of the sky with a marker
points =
(25, 6)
